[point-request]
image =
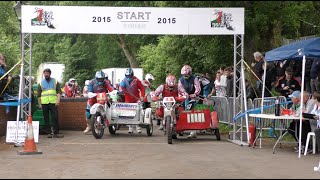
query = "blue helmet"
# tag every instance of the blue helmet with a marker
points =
(129, 74)
(100, 77)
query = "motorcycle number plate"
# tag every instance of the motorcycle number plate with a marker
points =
(126, 113)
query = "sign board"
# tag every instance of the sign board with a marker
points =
(11, 131)
(132, 20)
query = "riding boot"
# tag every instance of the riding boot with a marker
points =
(88, 129)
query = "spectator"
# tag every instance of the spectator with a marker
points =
(287, 84)
(307, 77)
(315, 125)
(315, 75)
(205, 85)
(258, 67)
(219, 87)
(269, 80)
(3, 79)
(48, 99)
(229, 82)
(251, 94)
(295, 124)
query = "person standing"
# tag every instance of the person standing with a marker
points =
(3, 70)
(258, 67)
(315, 75)
(48, 99)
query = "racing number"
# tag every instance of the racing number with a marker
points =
(166, 20)
(101, 19)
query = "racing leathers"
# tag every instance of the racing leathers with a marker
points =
(133, 92)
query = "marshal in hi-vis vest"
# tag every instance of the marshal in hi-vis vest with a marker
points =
(49, 93)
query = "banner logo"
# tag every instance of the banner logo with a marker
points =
(43, 18)
(222, 20)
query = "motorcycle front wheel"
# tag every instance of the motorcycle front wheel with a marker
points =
(169, 129)
(97, 126)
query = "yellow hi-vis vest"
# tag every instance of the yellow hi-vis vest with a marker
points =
(49, 93)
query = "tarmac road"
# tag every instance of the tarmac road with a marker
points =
(138, 156)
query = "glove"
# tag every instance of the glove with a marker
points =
(120, 93)
(155, 98)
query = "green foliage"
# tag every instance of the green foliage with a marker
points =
(266, 24)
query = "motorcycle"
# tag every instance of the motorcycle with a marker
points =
(171, 114)
(112, 114)
(180, 116)
(98, 114)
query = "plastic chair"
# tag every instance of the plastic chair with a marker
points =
(313, 143)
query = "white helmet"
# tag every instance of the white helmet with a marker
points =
(87, 82)
(72, 80)
(149, 77)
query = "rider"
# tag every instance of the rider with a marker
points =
(147, 88)
(96, 85)
(71, 88)
(170, 89)
(106, 76)
(188, 86)
(85, 88)
(133, 91)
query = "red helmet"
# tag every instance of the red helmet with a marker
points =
(186, 70)
(171, 80)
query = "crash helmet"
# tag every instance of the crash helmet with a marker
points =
(186, 70)
(72, 81)
(129, 74)
(149, 77)
(100, 77)
(171, 81)
(87, 82)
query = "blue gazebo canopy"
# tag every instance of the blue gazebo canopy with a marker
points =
(295, 51)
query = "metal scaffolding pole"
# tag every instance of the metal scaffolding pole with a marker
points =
(25, 93)
(239, 96)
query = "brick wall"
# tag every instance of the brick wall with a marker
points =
(4, 117)
(71, 115)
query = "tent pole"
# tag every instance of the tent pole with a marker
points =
(262, 100)
(301, 102)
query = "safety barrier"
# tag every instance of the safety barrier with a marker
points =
(269, 123)
(222, 108)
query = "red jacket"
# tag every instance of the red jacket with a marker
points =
(132, 90)
(70, 91)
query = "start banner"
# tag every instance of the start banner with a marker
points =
(132, 20)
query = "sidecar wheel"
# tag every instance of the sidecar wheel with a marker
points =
(112, 129)
(149, 129)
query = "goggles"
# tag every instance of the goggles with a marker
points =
(129, 76)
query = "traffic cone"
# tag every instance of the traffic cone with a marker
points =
(29, 144)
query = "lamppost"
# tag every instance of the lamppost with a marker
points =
(17, 9)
